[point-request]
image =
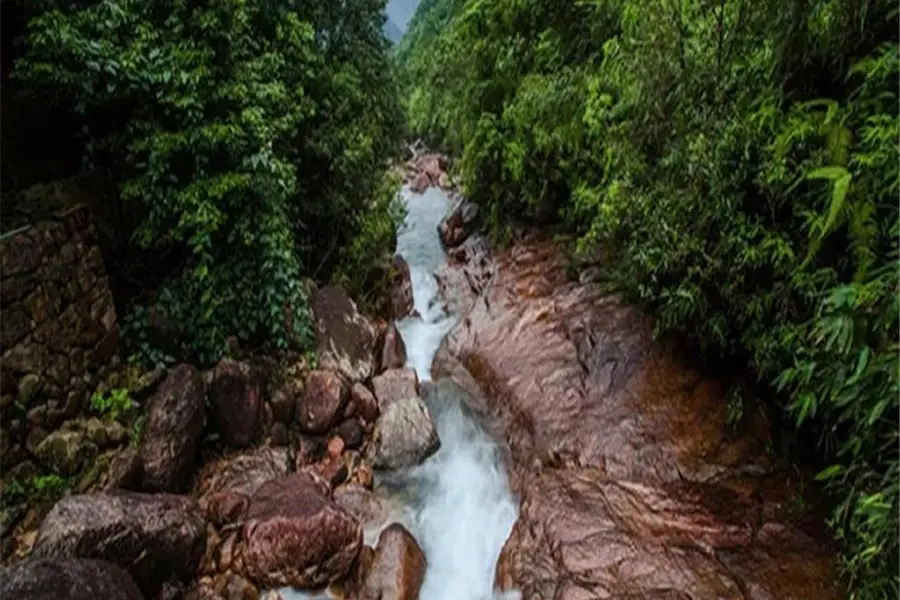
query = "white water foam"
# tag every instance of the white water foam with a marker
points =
(457, 504)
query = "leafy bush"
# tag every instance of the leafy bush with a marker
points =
(735, 164)
(248, 134)
(113, 405)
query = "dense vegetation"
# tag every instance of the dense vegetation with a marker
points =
(250, 136)
(734, 164)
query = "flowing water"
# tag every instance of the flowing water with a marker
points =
(457, 504)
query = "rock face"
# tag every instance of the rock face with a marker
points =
(321, 403)
(401, 295)
(393, 351)
(236, 400)
(345, 340)
(457, 226)
(362, 404)
(362, 504)
(398, 570)
(175, 420)
(295, 535)
(404, 435)
(227, 485)
(58, 333)
(631, 484)
(67, 579)
(154, 537)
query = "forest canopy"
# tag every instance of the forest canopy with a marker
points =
(734, 165)
(250, 135)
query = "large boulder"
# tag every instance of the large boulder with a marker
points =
(236, 401)
(322, 402)
(227, 485)
(345, 339)
(154, 537)
(67, 579)
(458, 224)
(401, 294)
(174, 428)
(295, 535)
(364, 505)
(393, 349)
(404, 435)
(395, 384)
(398, 570)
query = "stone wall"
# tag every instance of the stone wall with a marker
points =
(58, 333)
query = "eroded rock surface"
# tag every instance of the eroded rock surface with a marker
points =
(227, 485)
(632, 485)
(404, 435)
(236, 398)
(152, 536)
(321, 404)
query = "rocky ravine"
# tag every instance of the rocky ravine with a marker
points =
(630, 484)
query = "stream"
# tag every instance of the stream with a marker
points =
(457, 504)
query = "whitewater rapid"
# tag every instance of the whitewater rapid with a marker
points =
(457, 504)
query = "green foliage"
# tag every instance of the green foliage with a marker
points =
(362, 268)
(113, 405)
(49, 488)
(735, 164)
(248, 135)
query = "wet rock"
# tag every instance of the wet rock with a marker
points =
(401, 295)
(362, 404)
(393, 352)
(153, 537)
(236, 402)
(67, 579)
(625, 493)
(295, 535)
(457, 226)
(227, 485)
(174, 428)
(366, 507)
(398, 569)
(65, 451)
(345, 340)
(393, 385)
(321, 403)
(126, 470)
(351, 432)
(404, 435)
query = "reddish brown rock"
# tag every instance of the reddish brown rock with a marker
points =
(362, 404)
(393, 385)
(171, 438)
(322, 402)
(126, 470)
(398, 569)
(457, 225)
(308, 450)
(345, 339)
(67, 579)
(295, 535)
(153, 536)
(283, 402)
(236, 402)
(393, 352)
(227, 485)
(401, 295)
(642, 498)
